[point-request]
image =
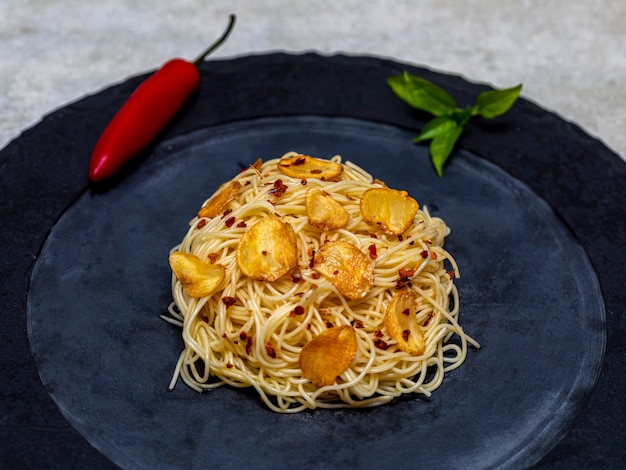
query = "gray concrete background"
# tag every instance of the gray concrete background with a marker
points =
(570, 54)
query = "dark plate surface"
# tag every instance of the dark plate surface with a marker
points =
(43, 172)
(528, 294)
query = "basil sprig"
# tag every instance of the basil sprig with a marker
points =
(447, 126)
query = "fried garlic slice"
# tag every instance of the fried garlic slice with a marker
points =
(304, 166)
(401, 323)
(215, 205)
(324, 212)
(328, 354)
(346, 267)
(268, 250)
(392, 210)
(200, 279)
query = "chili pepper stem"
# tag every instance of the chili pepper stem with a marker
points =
(217, 43)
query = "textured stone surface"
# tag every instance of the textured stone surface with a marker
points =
(569, 55)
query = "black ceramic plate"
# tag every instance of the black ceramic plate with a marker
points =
(528, 295)
(255, 104)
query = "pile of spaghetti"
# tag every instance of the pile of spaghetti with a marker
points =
(317, 285)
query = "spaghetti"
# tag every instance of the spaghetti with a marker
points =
(251, 333)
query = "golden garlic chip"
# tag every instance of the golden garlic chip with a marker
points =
(346, 267)
(200, 279)
(215, 205)
(401, 323)
(304, 166)
(268, 250)
(328, 354)
(392, 210)
(324, 212)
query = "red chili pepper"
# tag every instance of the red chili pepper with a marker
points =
(146, 112)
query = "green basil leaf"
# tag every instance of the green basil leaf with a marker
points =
(435, 127)
(496, 102)
(441, 147)
(422, 94)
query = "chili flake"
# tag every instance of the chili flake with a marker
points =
(269, 349)
(201, 223)
(381, 344)
(372, 250)
(279, 188)
(229, 301)
(229, 222)
(357, 324)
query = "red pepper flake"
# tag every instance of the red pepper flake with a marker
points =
(249, 345)
(241, 224)
(433, 255)
(405, 334)
(213, 257)
(229, 222)
(329, 324)
(412, 242)
(201, 223)
(226, 212)
(400, 284)
(430, 315)
(229, 301)
(269, 349)
(406, 312)
(381, 344)
(299, 310)
(315, 276)
(424, 254)
(405, 274)
(296, 277)
(264, 252)
(303, 181)
(372, 250)
(315, 171)
(373, 235)
(243, 336)
(312, 262)
(378, 334)
(400, 238)
(451, 274)
(279, 188)
(229, 366)
(357, 324)
(299, 161)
